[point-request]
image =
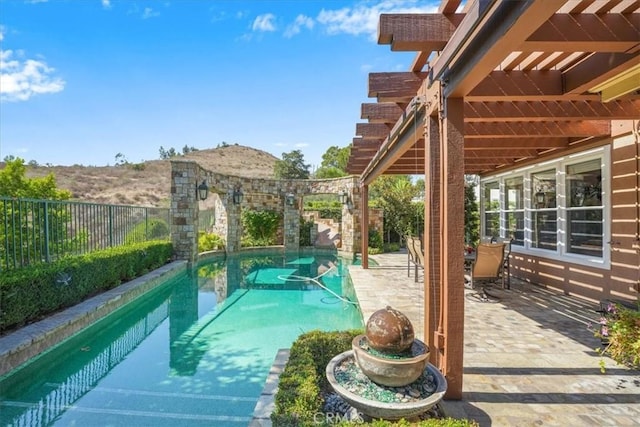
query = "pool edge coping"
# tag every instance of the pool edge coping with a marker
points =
(28, 342)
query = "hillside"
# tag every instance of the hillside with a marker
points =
(148, 183)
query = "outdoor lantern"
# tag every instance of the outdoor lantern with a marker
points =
(290, 199)
(202, 190)
(344, 197)
(540, 198)
(237, 196)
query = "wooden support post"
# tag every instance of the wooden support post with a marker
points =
(364, 225)
(452, 261)
(432, 309)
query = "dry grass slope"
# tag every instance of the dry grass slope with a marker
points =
(149, 183)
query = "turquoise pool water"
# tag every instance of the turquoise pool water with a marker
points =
(196, 351)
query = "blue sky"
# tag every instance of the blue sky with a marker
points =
(84, 80)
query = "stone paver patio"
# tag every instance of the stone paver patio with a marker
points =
(529, 359)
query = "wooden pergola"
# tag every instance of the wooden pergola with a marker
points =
(499, 85)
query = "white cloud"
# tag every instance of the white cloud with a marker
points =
(2, 30)
(22, 79)
(149, 13)
(280, 144)
(364, 17)
(301, 21)
(301, 145)
(106, 4)
(264, 23)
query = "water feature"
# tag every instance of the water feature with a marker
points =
(195, 351)
(386, 374)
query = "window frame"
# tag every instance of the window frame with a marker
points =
(560, 165)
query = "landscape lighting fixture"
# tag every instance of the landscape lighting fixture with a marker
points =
(202, 190)
(344, 197)
(237, 196)
(290, 199)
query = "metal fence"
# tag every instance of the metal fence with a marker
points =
(36, 231)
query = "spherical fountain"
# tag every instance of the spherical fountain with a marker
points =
(387, 373)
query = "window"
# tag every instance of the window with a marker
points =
(556, 209)
(584, 213)
(514, 209)
(544, 213)
(491, 204)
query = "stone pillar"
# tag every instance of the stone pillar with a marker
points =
(351, 219)
(184, 210)
(234, 225)
(291, 225)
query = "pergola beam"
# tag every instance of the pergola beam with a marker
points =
(551, 110)
(372, 130)
(540, 129)
(597, 69)
(485, 143)
(504, 27)
(587, 32)
(417, 32)
(395, 86)
(381, 112)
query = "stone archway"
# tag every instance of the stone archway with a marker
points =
(187, 174)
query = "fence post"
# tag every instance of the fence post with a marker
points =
(47, 255)
(110, 225)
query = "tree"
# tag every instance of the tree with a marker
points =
(334, 162)
(394, 194)
(292, 166)
(471, 215)
(14, 183)
(42, 222)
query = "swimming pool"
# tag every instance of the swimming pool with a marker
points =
(194, 351)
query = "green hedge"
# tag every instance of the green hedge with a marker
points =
(303, 383)
(30, 293)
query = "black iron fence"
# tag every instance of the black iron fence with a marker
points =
(36, 231)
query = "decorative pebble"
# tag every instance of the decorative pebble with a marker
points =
(349, 375)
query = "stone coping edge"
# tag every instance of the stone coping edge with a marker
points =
(266, 401)
(28, 342)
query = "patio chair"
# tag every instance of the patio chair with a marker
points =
(506, 262)
(486, 269)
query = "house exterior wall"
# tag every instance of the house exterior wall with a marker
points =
(621, 279)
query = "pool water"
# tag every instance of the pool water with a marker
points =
(195, 351)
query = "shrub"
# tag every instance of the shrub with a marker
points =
(30, 293)
(260, 227)
(305, 232)
(619, 330)
(151, 230)
(375, 238)
(209, 242)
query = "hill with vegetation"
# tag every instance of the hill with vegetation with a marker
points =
(149, 183)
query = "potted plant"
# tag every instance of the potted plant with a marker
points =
(619, 332)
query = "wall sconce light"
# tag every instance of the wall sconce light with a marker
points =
(236, 195)
(202, 190)
(290, 199)
(344, 197)
(541, 198)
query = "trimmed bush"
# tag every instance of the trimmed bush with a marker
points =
(30, 293)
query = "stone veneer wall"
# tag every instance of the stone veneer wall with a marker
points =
(259, 194)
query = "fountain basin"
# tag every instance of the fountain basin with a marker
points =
(390, 371)
(366, 396)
